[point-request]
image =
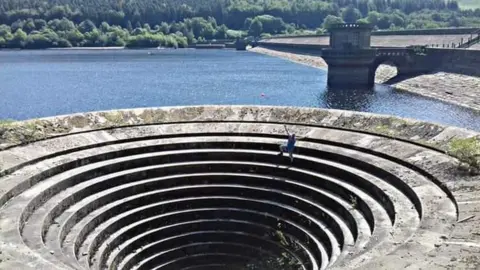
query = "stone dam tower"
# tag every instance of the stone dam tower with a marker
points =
(350, 55)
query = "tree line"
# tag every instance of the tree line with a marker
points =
(177, 23)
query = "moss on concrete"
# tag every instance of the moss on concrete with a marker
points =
(13, 133)
(187, 113)
(115, 118)
(78, 121)
(467, 151)
(389, 126)
(6, 122)
(152, 116)
(384, 130)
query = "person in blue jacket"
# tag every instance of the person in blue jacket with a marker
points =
(289, 145)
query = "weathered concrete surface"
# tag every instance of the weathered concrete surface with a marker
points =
(445, 237)
(457, 89)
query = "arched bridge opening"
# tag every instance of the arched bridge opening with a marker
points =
(388, 64)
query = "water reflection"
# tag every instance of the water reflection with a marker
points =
(350, 99)
(384, 99)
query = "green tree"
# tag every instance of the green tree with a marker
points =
(256, 28)
(190, 37)
(182, 41)
(63, 43)
(410, 26)
(139, 31)
(221, 32)
(19, 39)
(454, 21)
(145, 41)
(363, 7)
(75, 37)
(397, 19)
(431, 25)
(165, 28)
(147, 28)
(86, 26)
(331, 20)
(18, 24)
(65, 25)
(29, 25)
(58, 12)
(320, 31)
(384, 22)
(4, 30)
(113, 39)
(38, 41)
(105, 27)
(93, 38)
(247, 23)
(373, 17)
(129, 26)
(3, 42)
(363, 21)
(351, 14)
(40, 24)
(51, 36)
(271, 24)
(61, 25)
(452, 5)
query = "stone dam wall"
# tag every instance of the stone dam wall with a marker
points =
(459, 61)
(439, 31)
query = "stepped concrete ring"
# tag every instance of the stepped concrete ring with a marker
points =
(204, 187)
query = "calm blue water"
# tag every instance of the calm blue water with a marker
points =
(46, 83)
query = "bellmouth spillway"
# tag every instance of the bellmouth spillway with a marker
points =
(203, 188)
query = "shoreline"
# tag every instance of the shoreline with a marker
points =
(443, 86)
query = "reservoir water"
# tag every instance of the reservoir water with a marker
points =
(52, 82)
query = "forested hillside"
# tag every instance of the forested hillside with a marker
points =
(175, 23)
